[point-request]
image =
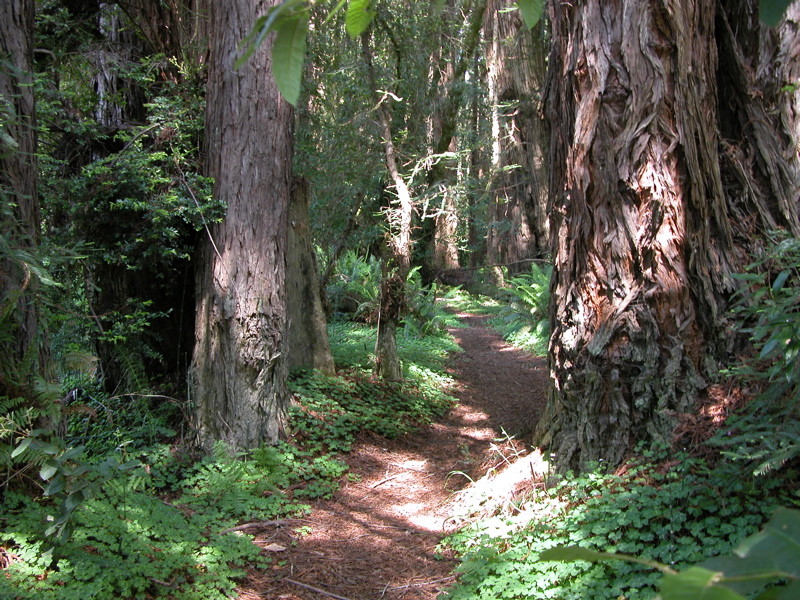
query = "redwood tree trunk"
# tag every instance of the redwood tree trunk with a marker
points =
(450, 90)
(518, 216)
(19, 205)
(642, 241)
(238, 374)
(308, 346)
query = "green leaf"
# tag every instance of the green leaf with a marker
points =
(532, 11)
(695, 583)
(22, 447)
(46, 447)
(48, 469)
(262, 28)
(573, 553)
(357, 18)
(744, 576)
(771, 11)
(790, 592)
(768, 347)
(127, 466)
(778, 542)
(288, 53)
(72, 453)
(56, 485)
(781, 279)
(73, 501)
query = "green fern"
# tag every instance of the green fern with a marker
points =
(766, 435)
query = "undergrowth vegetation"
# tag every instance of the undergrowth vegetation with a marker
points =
(523, 318)
(613, 534)
(674, 509)
(128, 509)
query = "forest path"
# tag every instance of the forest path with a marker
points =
(376, 538)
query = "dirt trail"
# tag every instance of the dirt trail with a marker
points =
(376, 539)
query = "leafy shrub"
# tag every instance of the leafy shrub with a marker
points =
(353, 290)
(423, 358)
(463, 301)
(330, 411)
(677, 511)
(158, 523)
(127, 544)
(761, 564)
(426, 313)
(102, 422)
(767, 434)
(354, 293)
(524, 320)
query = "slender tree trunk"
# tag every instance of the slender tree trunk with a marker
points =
(518, 216)
(308, 346)
(19, 203)
(397, 261)
(475, 241)
(238, 374)
(642, 241)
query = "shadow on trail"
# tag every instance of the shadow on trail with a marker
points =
(377, 537)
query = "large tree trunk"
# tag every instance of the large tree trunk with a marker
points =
(19, 204)
(642, 242)
(308, 346)
(518, 216)
(442, 229)
(238, 374)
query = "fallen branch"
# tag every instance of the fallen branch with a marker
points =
(379, 483)
(422, 584)
(163, 583)
(415, 585)
(382, 481)
(315, 589)
(253, 525)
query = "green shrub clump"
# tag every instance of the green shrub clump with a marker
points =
(676, 510)
(523, 317)
(329, 412)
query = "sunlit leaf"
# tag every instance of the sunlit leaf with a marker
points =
(48, 469)
(22, 447)
(358, 17)
(288, 53)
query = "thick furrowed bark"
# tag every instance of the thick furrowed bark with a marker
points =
(515, 60)
(640, 231)
(22, 355)
(238, 374)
